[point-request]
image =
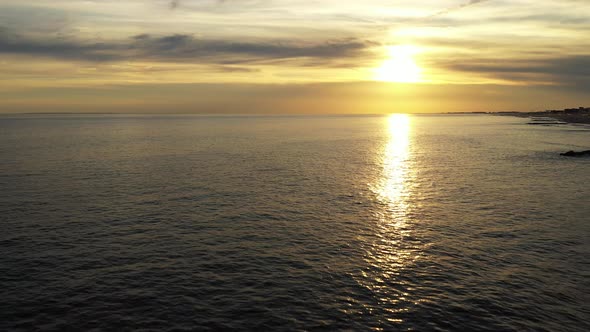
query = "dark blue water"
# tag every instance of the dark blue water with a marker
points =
(298, 223)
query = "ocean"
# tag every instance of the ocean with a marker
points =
(184, 222)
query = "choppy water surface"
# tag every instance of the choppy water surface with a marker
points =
(190, 222)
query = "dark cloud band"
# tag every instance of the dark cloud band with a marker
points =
(181, 48)
(568, 70)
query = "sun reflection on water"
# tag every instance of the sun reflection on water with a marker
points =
(392, 189)
(394, 247)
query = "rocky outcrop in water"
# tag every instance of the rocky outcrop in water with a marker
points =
(576, 154)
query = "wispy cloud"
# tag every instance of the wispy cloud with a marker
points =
(181, 48)
(567, 70)
(455, 8)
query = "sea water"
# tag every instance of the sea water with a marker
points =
(180, 222)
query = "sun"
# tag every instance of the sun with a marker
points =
(400, 67)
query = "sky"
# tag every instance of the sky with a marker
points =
(293, 56)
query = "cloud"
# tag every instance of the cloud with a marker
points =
(567, 70)
(452, 9)
(177, 3)
(181, 48)
(58, 48)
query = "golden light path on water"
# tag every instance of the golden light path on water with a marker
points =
(393, 187)
(393, 248)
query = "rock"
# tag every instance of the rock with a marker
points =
(576, 154)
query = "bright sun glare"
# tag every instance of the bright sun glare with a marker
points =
(400, 67)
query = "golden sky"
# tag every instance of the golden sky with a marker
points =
(293, 56)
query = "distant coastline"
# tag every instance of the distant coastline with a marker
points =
(568, 115)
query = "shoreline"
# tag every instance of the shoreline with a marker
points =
(565, 118)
